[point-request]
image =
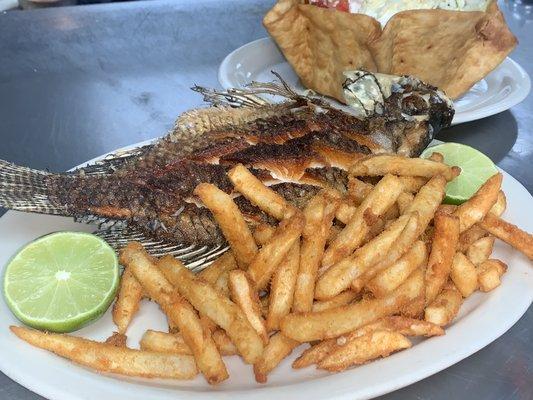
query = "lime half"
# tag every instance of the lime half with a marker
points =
(475, 166)
(62, 281)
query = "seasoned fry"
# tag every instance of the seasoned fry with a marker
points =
(427, 200)
(213, 304)
(319, 214)
(247, 299)
(445, 307)
(475, 209)
(274, 251)
(390, 278)
(404, 201)
(162, 342)
(282, 288)
(260, 195)
(309, 326)
(470, 236)
(412, 184)
(447, 208)
(480, 250)
(443, 248)
(128, 299)
(364, 348)
(224, 343)
(108, 358)
(345, 211)
(226, 262)
(464, 274)
(383, 164)
(276, 350)
(509, 233)
(340, 276)
(358, 190)
(178, 310)
(341, 299)
(375, 204)
(489, 274)
(231, 222)
(263, 233)
(222, 283)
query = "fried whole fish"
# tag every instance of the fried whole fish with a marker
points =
(296, 146)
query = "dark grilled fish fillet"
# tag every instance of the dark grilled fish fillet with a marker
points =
(297, 147)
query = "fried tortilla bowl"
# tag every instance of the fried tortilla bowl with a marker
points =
(459, 48)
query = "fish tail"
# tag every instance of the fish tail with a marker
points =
(26, 189)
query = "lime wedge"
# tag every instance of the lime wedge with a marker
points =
(62, 281)
(475, 166)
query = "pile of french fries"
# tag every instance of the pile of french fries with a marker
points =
(354, 274)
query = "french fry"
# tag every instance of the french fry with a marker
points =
(340, 276)
(222, 283)
(231, 222)
(364, 348)
(358, 190)
(375, 204)
(412, 184)
(224, 343)
(263, 197)
(127, 303)
(400, 246)
(226, 262)
(215, 305)
(489, 274)
(475, 209)
(509, 233)
(263, 233)
(445, 307)
(178, 310)
(447, 208)
(345, 211)
(501, 204)
(470, 236)
(427, 200)
(282, 288)
(383, 164)
(274, 251)
(247, 299)
(173, 343)
(276, 350)
(480, 250)
(333, 233)
(390, 278)
(108, 358)
(437, 157)
(341, 299)
(117, 339)
(464, 274)
(319, 214)
(404, 201)
(443, 248)
(309, 326)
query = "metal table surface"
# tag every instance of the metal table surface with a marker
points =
(76, 82)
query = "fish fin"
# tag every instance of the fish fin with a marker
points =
(113, 161)
(26, 189)
(195, 257)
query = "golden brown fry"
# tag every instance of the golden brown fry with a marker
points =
(358, 190)
(480, 250)
(427, 200)
(128, 299)
(464, 274)
(276, 350)
(215, 305)
(475, 209)
(489, 274)
(364, 348)
(412, 184)
(383, 164)
(345, 211)
(282, 288)
(390, 278)
(404, 201)
(447, 208)
(162, 342)
(117, 339)
(309, 326)
(222, 283)
(445, 306)
(443, 248)
(244, 295)
(226, 262)
(333, 232)
(437, 157)
(263, 233)
(501, 204)
(230, 221)
(274, 251)
(470, 236)
(319, 213)
(263, 197)
(224, 343)
(178, 310)
(375, 204)
(340, 276)
(341, 299)
(509, 233)
(108, 358)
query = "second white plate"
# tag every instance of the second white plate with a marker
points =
(503, 88)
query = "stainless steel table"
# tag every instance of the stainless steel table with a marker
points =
(76, 82)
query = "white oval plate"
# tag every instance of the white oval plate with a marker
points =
(503, 88)
(483, 318)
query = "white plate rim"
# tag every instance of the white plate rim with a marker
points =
(313, 389)
(514, 98)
